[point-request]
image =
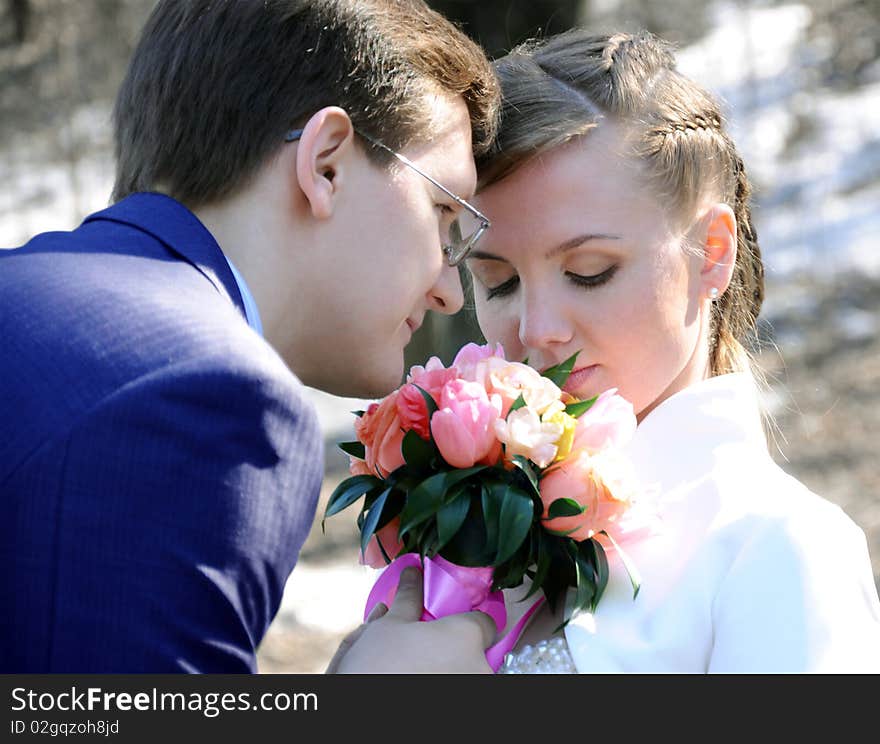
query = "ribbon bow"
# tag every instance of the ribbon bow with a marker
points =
(450, 589)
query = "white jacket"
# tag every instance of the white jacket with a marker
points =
(749, 572)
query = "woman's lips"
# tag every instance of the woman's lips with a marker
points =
(579, 379)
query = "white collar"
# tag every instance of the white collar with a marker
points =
(686, 432)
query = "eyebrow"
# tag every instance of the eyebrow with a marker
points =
(564, 247)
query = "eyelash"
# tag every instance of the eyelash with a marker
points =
(585, 282)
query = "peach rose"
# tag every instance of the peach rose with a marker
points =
(381, 433)
(515, 379)
(601, 484)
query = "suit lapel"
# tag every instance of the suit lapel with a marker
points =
(181, 232)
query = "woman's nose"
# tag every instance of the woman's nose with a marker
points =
(543, 325)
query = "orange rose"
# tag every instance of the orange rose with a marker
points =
(381, 433)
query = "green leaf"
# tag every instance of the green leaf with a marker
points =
(586, 582)
(429, 401)
(634, 578)
(559, 374)
(518, 403)
(565, 508)
(355, 449)
(372, 520)
(560, 533)
(359, 414)
(349, 491)
(426, 499)
(542, 564)
(525, 465)
(593, 552)
(492, 500)
(510, 574)
(416, 451)
(581, 407)
(451, 516)
(514, 523)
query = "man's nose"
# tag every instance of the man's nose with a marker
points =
(447, 295)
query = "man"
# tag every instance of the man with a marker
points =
(286, 173)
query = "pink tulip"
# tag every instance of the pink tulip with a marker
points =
(610, 422)
(464, 426)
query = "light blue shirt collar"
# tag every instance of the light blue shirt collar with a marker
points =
(252, 314)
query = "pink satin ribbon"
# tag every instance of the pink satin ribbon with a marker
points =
(450, 589)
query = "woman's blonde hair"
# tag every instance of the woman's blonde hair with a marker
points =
(558, 89)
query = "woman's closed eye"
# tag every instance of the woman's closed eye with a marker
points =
(590, 281)
(584, 281)
(505, 288)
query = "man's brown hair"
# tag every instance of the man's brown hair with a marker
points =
(214, 85)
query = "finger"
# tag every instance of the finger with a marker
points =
(343, 649)
(377, 612)
(486, 625)
(407, 603)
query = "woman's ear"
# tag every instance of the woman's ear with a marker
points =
(719, 249)
(322, 158)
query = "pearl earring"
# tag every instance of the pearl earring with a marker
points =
(713, 293)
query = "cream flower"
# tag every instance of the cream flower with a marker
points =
(524, 433)
(515, 379)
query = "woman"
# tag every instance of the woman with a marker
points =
(621, 228)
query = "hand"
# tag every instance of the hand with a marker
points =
(395, 642)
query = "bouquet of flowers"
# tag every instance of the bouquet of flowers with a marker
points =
(485, 474)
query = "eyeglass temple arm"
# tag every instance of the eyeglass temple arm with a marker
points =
(295, 134)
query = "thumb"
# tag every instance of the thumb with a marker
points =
(407, 603)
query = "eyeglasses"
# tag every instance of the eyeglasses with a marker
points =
(464, 231)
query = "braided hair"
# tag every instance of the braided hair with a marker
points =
(559, 89)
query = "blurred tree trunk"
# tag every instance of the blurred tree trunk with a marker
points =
(499, 25)
(20, 10)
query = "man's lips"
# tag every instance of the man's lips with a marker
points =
(579, 378)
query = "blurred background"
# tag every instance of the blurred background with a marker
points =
(801, 84)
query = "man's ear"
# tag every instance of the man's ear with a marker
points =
(321, 158)
(719, 247)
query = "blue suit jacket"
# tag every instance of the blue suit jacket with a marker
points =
(159, 464)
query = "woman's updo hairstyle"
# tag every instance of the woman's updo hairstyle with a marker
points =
(558, 89)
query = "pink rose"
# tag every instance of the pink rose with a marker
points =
(464, 427)
(411, 405)
(468, 359)
(381, 433)
(610, 422)
(599, 483)
(388, 536)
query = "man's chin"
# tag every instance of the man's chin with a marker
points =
(365, 383)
